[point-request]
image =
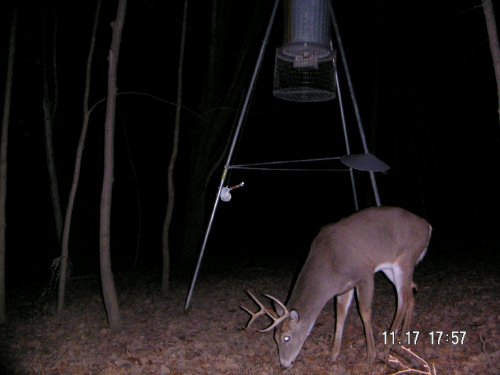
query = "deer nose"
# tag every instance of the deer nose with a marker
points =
(286, 364)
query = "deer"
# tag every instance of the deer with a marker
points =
(343, 258)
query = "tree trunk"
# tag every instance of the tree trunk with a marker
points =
(491, 26)
(173, 158)
(49, 110)
(76, 171)
(3, 160)
(108, 285)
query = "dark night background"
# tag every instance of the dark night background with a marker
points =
(424, 80)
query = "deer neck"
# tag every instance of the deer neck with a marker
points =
(310, 294)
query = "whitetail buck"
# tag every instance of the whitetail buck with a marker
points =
(344, 256)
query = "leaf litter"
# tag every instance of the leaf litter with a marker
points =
(160, 337)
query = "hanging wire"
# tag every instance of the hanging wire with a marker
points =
(240, 166)
(269, 165)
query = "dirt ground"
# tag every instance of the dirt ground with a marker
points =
(160, 337)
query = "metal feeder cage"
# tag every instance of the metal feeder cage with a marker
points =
(304, 69)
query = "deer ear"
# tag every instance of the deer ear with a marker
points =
(294, 315)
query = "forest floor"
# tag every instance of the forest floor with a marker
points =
(159, 337)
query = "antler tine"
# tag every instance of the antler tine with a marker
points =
(256, 314)
(279, 319)
(286, 312)
(265, 311)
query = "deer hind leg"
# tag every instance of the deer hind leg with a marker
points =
(364, 290)
(342, 307)
(406, 302)
(409, 308)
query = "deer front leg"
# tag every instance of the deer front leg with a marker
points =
(364, 291)
(342, 307)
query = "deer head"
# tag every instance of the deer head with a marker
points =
(289, 332)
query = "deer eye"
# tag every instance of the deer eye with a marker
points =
(287, 338)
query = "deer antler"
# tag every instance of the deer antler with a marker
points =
(265, 311)
(256, 314)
